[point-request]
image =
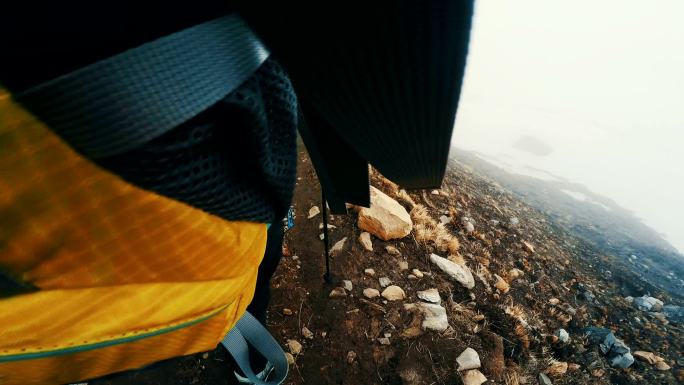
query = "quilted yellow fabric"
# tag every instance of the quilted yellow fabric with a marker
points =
(124, 277)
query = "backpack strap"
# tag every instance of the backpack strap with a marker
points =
(249, 329)
(116, 104)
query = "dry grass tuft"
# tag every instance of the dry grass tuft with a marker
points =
(428, 231)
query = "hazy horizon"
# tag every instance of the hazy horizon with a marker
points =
(590, 91)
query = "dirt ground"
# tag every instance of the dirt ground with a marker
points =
(512, 331)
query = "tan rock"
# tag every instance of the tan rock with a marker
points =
(528, 247)
(306, 333)
(386, 219)
(573, 367)
(403, 265)
(661, 365)
(501, 284)
(371, 293)
(473, 377)
(514, 274)
(338, 292)
(339, 245)
(478, 317)
(646, 357)
(313, 211)
(287, 311)
(365, 241)
(369, 272)
(417, 273)
(393, 293)
(290, 358)
(554, 301)
(557, 369)
(294, 346)
(351, 357)
(391, 250)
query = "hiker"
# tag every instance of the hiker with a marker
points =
(148, 157)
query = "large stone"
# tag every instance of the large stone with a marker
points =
(434, 316)
(647, 303)
(393, 293)
(348, 286)
(386, 219)
(430, 295)
(460, 273)
(473, 377)
(649, 357)
(468, 359)
(604, 338)
(365, 240)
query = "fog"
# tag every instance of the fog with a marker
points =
(589, 91)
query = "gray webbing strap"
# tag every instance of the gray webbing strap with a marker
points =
(249, 329)
(116, 104)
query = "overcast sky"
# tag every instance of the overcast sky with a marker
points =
(594, 91)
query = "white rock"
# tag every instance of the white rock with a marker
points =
(369, 272)
(514, 221)
(443, 219)
(430, 295)
(411, 277)
(403, 265)
(393, 293)
(384, 341)
(338, 246)
(459, 273)
(544, 379)
(435, 192)
(371, 293)
(314, 211)
(417, 273)
(473, 377)
(469, 227)
(386, 219)
(321, 236)
(294, 346)
(469, 359)
(562, 335)
(435, 317)
(348, 285)
(384, 281)
(365, 241)
(330, 227)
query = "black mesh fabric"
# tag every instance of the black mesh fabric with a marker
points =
(237, 160)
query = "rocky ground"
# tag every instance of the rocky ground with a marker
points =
(517, 298)
(472, 286)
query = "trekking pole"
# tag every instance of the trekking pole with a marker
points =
(327, 277)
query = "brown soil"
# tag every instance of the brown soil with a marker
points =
(514, 339)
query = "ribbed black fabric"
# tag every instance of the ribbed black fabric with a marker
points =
(237, 160)
(385, 75)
